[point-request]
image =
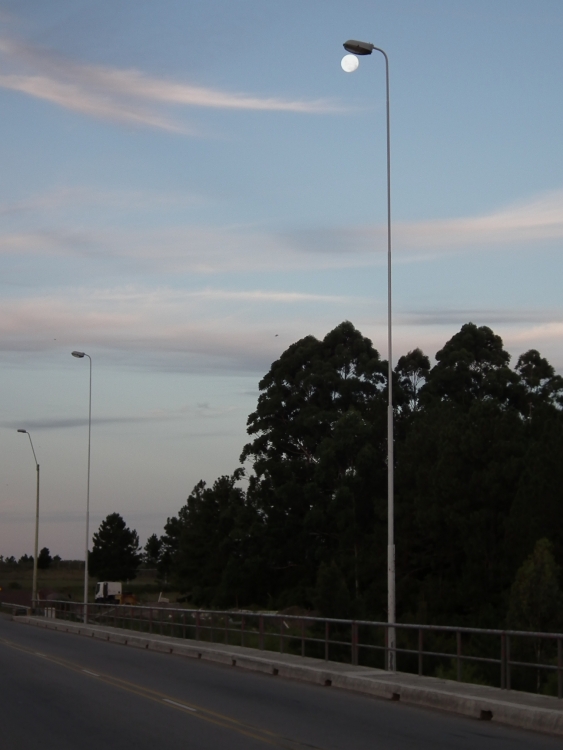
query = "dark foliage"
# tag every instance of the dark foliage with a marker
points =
(44, 559)
(479, 481)
(152, 551)
(115, 553)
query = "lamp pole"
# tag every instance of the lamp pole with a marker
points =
(349, 64)
(81, 355)
(34, 584)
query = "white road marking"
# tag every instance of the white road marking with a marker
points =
(90, 673)
(180, 705)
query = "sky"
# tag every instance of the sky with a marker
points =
(189, 188)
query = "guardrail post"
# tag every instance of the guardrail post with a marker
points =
(355, 643)
(281, 636)
(420, 647)
(507, 664)
(242, 631)
(302, 637)
(197, 626)
(458, 644)
(227, 630)
(503, 661)
(326, 640)
(386, 646)
(150, 620)
(559, 669)
(261, 632)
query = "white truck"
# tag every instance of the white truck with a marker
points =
(108, 591)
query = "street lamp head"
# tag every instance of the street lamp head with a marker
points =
(349, 63)
(78, 354)
(24, 431)
(358, 48)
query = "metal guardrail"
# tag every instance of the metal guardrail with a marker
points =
(495, 657)
(15, 609)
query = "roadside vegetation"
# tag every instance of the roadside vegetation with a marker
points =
(302, 522)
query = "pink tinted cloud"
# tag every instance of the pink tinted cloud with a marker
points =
(128, 96)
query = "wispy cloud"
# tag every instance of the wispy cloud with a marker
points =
(218, 330)
(63, 199)
(77, 97)
(203, 411)
(520, 330)
(267, 296)
(196, 249)
(161, 328)
(127, 96)
(481, 316)
(45, 242)
(540, 218)
(537, 219)
(65, 423)
(240, 248)
(546, 331)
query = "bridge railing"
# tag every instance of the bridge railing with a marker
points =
(509, 659)
(15, 609)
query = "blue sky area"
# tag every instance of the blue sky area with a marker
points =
(188, 188)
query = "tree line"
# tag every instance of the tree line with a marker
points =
(478, 488)
(25, 562)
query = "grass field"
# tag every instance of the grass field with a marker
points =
(70, 580)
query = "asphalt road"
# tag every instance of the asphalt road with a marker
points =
(64, 691)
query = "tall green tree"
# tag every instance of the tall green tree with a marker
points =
(536, 601)
(209, 557)
(116, 553)
(537, 508)
(168, 547)
(457, 474)
(412, 371)
(332, 598)
(539, 384)
(458, 467)
(152, 550)
(318, 457)
(44, 559)
(478, 480)
(473, 365)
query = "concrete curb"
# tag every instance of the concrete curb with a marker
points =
(523, 710)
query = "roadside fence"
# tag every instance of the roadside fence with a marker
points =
(509, 659)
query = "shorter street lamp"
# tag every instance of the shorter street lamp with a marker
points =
(81, 355)
(34, 585)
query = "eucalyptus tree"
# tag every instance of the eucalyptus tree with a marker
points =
(318, 459)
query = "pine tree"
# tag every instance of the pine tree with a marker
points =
(115, 553)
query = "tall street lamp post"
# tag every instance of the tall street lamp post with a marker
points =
(349, 64)
(80, 355)
(34, 584)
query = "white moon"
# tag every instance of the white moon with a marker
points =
(349, 63)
